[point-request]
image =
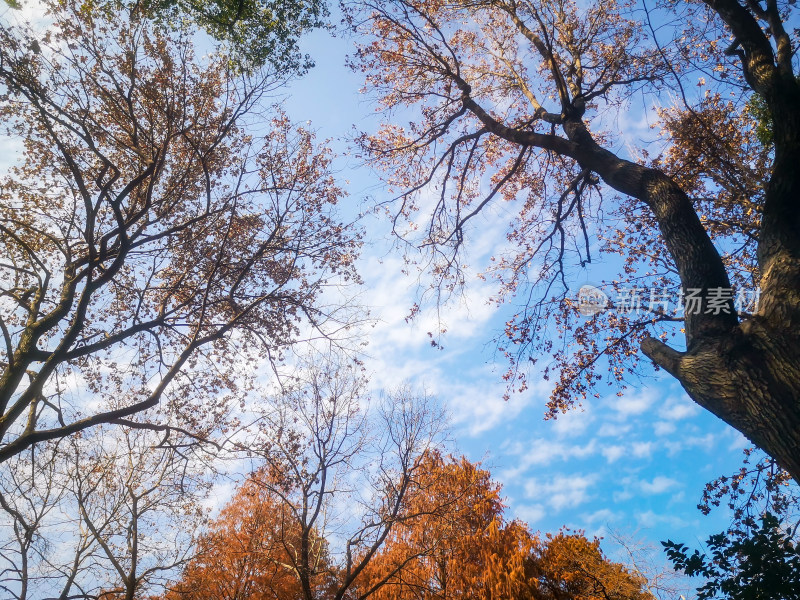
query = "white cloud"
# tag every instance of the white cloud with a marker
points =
(661, 428)
(622, 496)
(545, 452)
(738, 441)
(613, 453)
(613, 430)
(573, 423)
(529, 513)
(652, 519)
(642, 449)
(632, 404)
(678, 408)
(569, 491)
(563, 491)
(219, 495)
(479, 406)
(706, 441)
(603, 515)
(659, 485)
(677, 499)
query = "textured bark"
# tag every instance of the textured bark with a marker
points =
(750, 377)
(741, 368)
(745, 373)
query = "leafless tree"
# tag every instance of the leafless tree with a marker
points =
(343, 464)
(111, 514)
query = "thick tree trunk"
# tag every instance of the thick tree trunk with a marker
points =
(746, 373)
(750, 379)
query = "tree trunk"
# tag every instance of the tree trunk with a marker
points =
(749, 379)
(747, 373)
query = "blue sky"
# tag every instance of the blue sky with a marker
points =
(635, 464)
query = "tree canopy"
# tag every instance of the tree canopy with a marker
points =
(247, 550)
(512, 102)
(255, 31)
(762, 565)
(145, 231)
(451, 541)
(166, 234)
(456, 542)
(252, 32)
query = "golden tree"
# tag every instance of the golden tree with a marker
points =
(336, 468)
(247, 550)
(449, 540)
(455, 543)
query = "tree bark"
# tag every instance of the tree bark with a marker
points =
(746, 373)
(742, 368)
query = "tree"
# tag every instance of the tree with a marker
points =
(109, 514)
(448, 540)
(335, 469)
(253, 32)
(145, 231)
(519, 91)
(437, 547)
(28, 498)
(138, 498)
(456, 544)
(763, 564)
(758, 487)
(644, 559)
(757, 556)
(246, 550)
(257, 31)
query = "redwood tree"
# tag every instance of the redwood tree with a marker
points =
(510, 99)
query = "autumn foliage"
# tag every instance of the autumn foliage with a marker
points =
(247, 551)
(456, 543)
(515, 108)
(452, 541)
(142, 225)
